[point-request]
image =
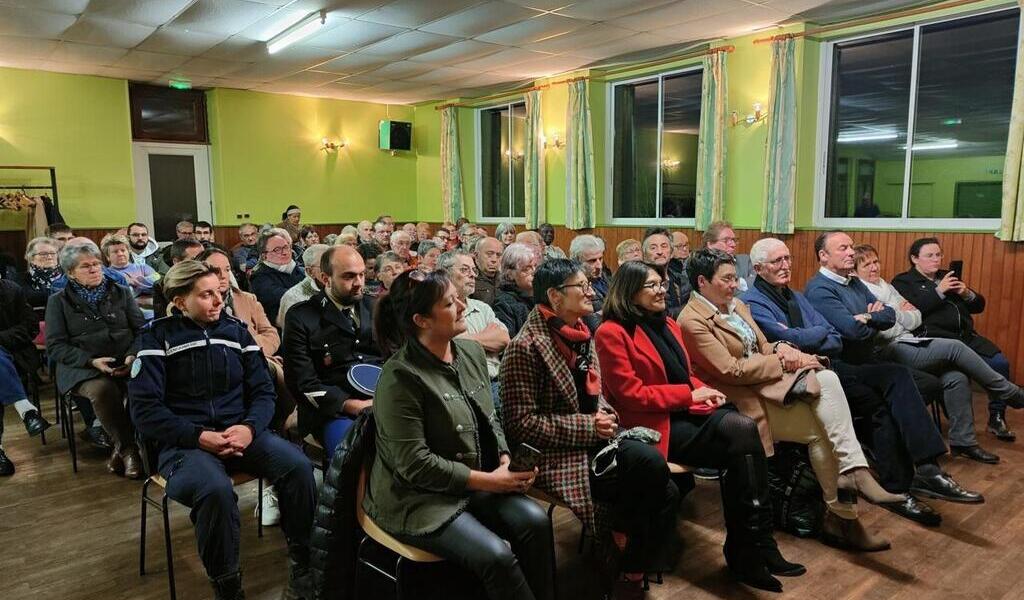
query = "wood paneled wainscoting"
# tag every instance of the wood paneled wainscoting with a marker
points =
(992, 267)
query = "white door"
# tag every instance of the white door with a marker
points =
(172, 183)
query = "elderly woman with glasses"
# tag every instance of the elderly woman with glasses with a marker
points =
(648, 378)
(277, 271)
(91, 329)
(515, 298)
(43, 270)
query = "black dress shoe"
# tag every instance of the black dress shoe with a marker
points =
(98, 437)
(915, 510)
(35, 423)
(707, 473)
(997, 427)
(6, 466)
(943, 487)
(975, 453)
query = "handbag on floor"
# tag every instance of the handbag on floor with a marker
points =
(797, 505)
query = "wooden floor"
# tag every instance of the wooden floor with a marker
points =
(76, 537)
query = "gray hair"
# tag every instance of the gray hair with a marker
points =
(330, 238)
(399, 232)
(426, 246)
(350, 229)
(387, 257)
(32, 249)
(311, 256)
(266, 236)
(72, 252)
(515, 257)
(447, 260)
(584, 243)
(762, 248)
(504, 228)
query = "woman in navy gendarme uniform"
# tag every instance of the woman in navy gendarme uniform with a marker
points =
(200, 390)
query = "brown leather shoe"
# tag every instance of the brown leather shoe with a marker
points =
(133, 464)
(849, 534)
(115, 464)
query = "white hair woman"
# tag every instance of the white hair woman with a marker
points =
(514, 301)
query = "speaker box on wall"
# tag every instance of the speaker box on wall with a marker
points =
(395, 135)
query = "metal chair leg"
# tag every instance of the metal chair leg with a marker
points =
(142, 529)
(167, 546)
(259, 507)
(72, 444)
(398, 578)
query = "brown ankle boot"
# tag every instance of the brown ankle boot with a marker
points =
(860, 482)
(115, 464)
(133, 464)
(849, 534)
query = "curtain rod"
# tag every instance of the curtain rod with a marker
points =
(869, 20)
(586, 77)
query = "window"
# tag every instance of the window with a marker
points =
(167, 115)
(502, 173)
(655, 123)
(917, 123)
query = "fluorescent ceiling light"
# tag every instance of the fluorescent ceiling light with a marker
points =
(297, 32)
(852, 138)
(940, 145)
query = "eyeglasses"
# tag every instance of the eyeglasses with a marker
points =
(468, 270)
(281, 251)
(46, 254)
(728, 240)
(657, 286)
(778, 262)
(586, 288)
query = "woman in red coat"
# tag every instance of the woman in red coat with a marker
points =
(646, 376)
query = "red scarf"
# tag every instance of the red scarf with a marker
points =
(573, 343)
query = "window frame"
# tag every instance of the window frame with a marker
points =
(823, 136)
(478, 165)
(609, 199)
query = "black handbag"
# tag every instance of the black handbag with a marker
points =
(797, 504)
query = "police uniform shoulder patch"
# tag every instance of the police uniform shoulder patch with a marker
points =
(136, 367)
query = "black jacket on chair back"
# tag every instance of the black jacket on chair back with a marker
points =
(18, 327)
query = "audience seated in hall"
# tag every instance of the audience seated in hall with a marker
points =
(59, 232)
(720, 235)
(245, 253)
(42, 271)
(953, 361)
(142, 246)
(323, 338)
(488, 252)
(514, 300)
(140, 276)
(277, 271)
(401, 244)
(657, 250)
(428, 252)
(308, 287)
(291, 221)
(161, 259)
(201, 392)
(588, 251)
(627, 250)
(505, 233)
(848, 305)
(946, 303)
(182, 249)
(547, 236)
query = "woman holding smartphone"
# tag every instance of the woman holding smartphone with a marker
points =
(441, 479)
(647, 377)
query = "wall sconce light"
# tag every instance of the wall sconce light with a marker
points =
(757, 116)
(555, 141)
(328, 146)
(514, 156)
(670, 164)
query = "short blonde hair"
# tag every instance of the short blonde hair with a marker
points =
(112, 240)
(182, 277)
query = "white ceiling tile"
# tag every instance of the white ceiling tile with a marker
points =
(408, 44)
(532, 30)
(101, 31)
(413, 13)
(17, 62)
(507, 57)
(22, 47)
(484, 79)
(352, 63)
(144, 12)
(606, 10)
(129, 74)
(272, 2)
(706, 28)
(172, 40)
(70, 67)
(544, 67)
(593, 35)
(150, 61)
(67, 7)
(341, 8)
(403, 69)
(362, 79)
(274, 23)
(677, 12)
(480, 19)
(634, 43)
(208, 67)
(444, 75)
(308, 78)
(458, 52)
(222, 17)
(33, 23)
(352, 35)
(279, 65)
(393, 86)
(71, 52)
(542, 4)
(239, 49)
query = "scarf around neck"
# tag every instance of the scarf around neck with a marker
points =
(573, 343)
(784, 298)
(91, 296)
(42, 278)
(655, 326)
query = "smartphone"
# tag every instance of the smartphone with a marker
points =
(525, 458)
(957, 267)
(701, 409)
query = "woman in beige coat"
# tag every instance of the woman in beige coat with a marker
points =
(790, 394)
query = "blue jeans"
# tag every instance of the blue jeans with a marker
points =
(11, 389)
(200, 481)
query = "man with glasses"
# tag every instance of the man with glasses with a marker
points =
(277, 272)
(401, 244)
(245, 252)
(482, 325)
(720, 235)
(142, 247)
(488, 261)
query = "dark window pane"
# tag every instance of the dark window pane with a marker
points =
(964, 96)
(868, 134)
(680, 127)
(172, 181)
(518, 163)
(501, 162)
(164, 114)
(635, 152)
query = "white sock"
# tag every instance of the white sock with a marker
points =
(23, 406)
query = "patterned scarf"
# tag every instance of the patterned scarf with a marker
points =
(91, 296)
(573, 343)
(42, 278)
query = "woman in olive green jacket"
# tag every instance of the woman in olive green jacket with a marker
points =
(441, 478)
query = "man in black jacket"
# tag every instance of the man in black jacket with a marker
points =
(323, 338)
(18, 358)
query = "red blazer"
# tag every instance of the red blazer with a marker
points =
(634, 380)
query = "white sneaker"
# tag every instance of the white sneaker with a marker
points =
(271, 512)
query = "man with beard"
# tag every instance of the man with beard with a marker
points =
(488, 263)
(142, 246)
(365, 229)
(324, 337)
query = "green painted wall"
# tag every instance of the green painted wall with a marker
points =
(80, 125)
(266, 155)
(934, 182)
